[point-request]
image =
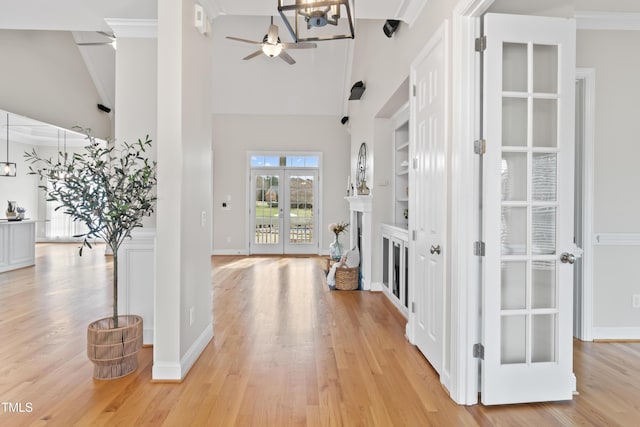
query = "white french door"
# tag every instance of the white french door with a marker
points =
(428, 199)
(284, 211)
(528, 209)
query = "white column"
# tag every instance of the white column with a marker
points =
(183, 291)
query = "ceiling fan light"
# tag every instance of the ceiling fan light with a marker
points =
(272, 50)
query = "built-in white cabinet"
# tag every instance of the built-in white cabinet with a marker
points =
(401, 167)
(17, 244)
(395, 266)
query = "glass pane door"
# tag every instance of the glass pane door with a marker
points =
(301, 211)
(528, 209)
(284, 211)
(266, 212)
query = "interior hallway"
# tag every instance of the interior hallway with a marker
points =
(286, 351)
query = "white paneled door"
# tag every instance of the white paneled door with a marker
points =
(428, 199)
(284, 211)
(528, 209)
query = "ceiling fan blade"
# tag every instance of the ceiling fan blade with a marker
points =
(110, 36)
(287, 58)
(243, 40)
(272, 34)
(95, 44)
(253, 55)
(299, 45)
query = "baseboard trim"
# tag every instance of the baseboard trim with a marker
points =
(147, 336)
(163, 371)
(616, 334)
(196, 349)
(230, 252)
(376, 287)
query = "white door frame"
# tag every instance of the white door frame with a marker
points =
(585, 304)
(465, 198)
(465, 273)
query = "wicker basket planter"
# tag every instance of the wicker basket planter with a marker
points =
(347, 278)
(114, 351)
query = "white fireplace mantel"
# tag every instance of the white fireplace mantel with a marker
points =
(363, 205)
(360, 203)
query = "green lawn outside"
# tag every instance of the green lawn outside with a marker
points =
(299, 217)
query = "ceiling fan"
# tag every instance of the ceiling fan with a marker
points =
(272, 46)
(111, 37)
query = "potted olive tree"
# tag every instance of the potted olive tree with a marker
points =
(110, 190)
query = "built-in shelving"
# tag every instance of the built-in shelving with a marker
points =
(395, 266)
(401, 166)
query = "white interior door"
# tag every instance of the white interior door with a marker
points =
(528, 209)
(428, 201)
(284, 211)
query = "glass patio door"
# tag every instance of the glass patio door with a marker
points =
(284, 211)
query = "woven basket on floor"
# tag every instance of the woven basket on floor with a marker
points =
(347, 278)
(114, 351)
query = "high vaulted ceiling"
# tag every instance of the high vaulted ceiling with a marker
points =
(316, 85)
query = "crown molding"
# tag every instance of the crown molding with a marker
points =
(213, 8)
(409, 10)
(595, 20)
(134, 28)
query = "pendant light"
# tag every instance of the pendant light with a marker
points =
(7, 168)
(317, 14)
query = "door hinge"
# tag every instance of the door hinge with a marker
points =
(478, 351)
(415, 163)
(414, 90)
(480, 146)
(481, 44)
(478, 248)
(413, 235)
(413, 306)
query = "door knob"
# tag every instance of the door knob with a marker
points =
(435, 249)
(567, 258)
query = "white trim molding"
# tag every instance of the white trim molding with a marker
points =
(244, 252)
(191, 356)
(465, 271)
(588, 75)
(617, 239)
(162, 371)
(212, 8)
(616, 333)
(134, 28)
(136, 278)
(409, 10)
(597, 20)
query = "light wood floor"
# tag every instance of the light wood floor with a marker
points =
(286, 352)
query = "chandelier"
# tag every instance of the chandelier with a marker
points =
(305, 18)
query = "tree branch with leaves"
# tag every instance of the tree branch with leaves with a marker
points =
(108, 189)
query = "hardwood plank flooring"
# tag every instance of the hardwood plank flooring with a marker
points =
(286, 352)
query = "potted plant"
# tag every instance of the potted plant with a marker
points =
(110, 190)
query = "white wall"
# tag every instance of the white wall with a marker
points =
(44, 77)
(136, 95)
(383, 64)
(235, 135)
(197, 59)
(617, 175)
(22, 187)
